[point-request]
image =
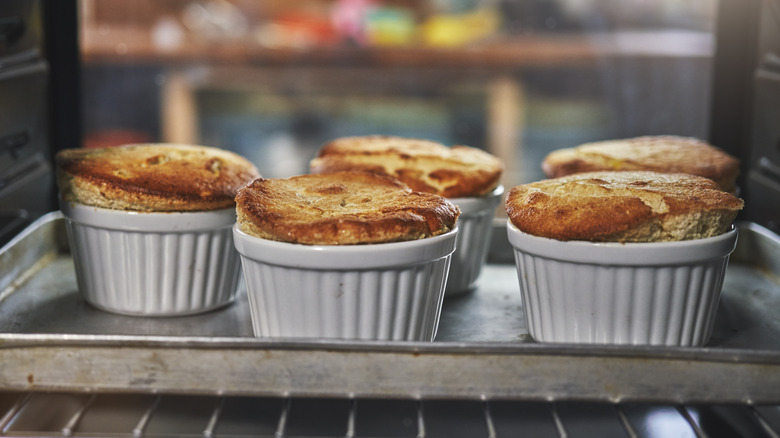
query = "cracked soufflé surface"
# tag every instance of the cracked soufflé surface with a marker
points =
(341, 208)
(423, 165)
(660, 153)
(640, 206)
(153, 177)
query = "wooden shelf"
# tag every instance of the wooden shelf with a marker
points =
(119, 45)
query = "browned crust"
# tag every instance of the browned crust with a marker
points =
(663, 153)
(153, 177)
(425, 166)
(341, 208)
(639, 206)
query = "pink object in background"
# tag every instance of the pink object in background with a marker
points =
(349, 18)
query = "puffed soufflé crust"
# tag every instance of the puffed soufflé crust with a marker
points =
(423, 165)
(157, 177)
(661, 153)
(341, 208)
(630, 206)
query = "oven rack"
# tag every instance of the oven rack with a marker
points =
(158, 415)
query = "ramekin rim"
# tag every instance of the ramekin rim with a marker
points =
(364, 256)
(629, 253)
(128, 220)
(475, 204)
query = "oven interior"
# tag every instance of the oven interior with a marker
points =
(41, 80)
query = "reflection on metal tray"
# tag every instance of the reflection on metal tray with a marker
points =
(52, 340)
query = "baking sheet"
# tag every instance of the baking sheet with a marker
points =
(49, 303)
(51, 339)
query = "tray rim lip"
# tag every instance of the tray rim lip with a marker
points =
(701, 354)
(662, 353)
(758, 229)
(44, 219)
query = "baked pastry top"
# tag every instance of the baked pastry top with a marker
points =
(629, 206)
(663, 153)
(341, 208)
(153, 177)
(423, 165)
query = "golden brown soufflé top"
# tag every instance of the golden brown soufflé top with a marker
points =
(660, 153)
(423, 165)
(157, 177)
(341, 208)
(630, 206)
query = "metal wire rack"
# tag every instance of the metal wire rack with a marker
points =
(161, 415)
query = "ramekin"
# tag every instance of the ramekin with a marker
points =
(153, 264)
(663, 293)
(473, 242)
(387, 291)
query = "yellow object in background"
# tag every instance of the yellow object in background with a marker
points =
(460, 29)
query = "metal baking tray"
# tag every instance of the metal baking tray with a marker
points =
(51, 340)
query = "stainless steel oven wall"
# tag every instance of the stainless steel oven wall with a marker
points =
(745, 101)
(25, 169)
(762, 184)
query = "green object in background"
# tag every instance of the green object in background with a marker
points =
(387, 26)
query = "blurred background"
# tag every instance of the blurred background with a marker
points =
(275, 79)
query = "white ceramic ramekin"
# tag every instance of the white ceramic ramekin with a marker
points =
(664, 293)
(387, 291)
(153, 264)
(471, 248)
